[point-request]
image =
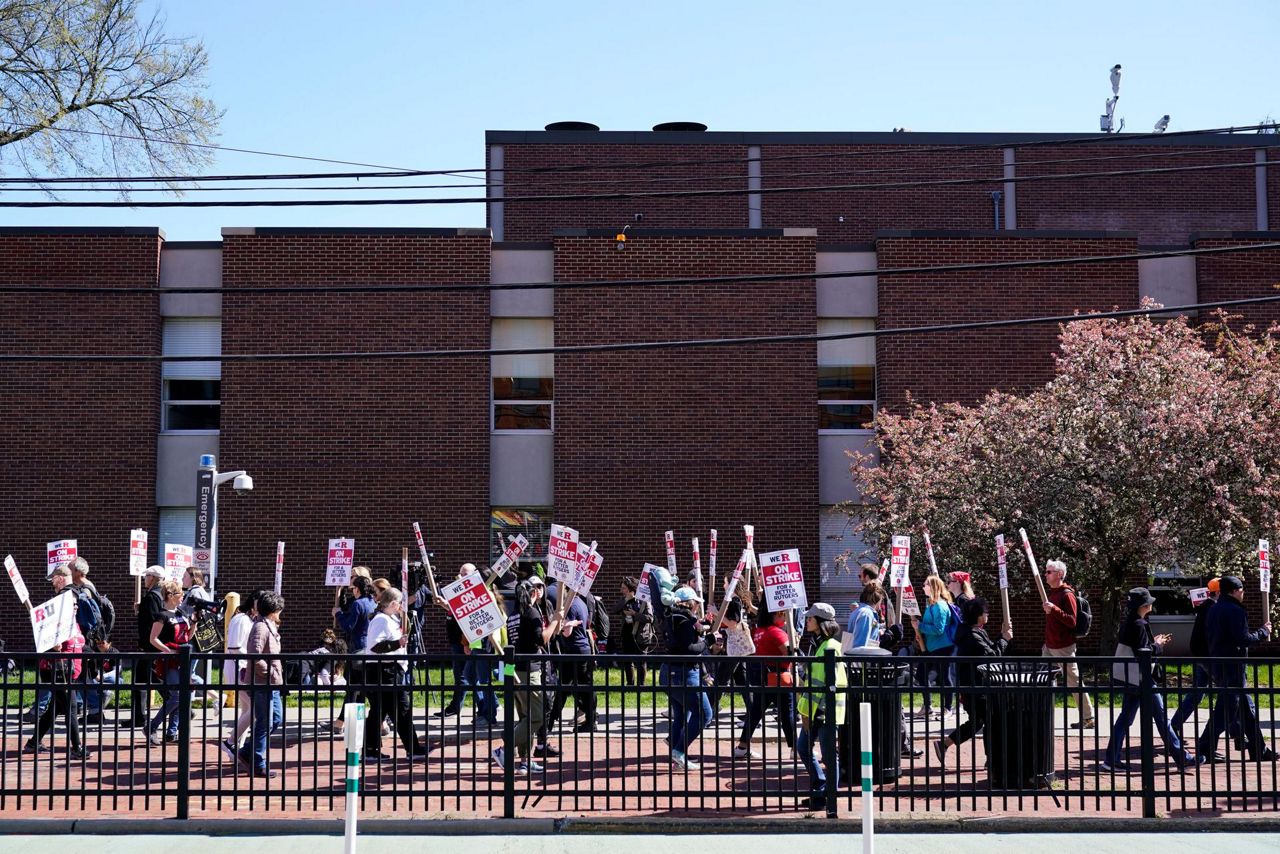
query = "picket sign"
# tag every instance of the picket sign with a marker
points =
(1264, 577)
(1199, 596)
(670, 539)
(642, 586)
(588, 566)
(509, 556)
(711, 570)
(426, 561)
(342, 558)
(472, 604)
(753, 563)
(900, 561)
(783, 580)
(176, 560)
(54, 622)
(928, 547)
(1035, 568)
(60, 551)
(404, 589)
(910, 605)
(697, 568)
(734, 581)
(884, 571)
(19, 586)
(1002, 565)
(562, 553)
(279, 566)
(137, 552)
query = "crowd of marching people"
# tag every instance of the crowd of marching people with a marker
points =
(707, 652)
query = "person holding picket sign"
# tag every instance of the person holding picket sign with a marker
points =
(389, 693)
(972, 641)
(770, 639)
(690, 708)
(530, 629)
(938, 626)
(169, 633)
(61, 674)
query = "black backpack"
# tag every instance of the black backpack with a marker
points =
(599, 620)
(1084, 615)
(108, 612)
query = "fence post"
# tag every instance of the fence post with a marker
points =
(1146, 693)
(509, 732)
(184, 688)
(829, 752)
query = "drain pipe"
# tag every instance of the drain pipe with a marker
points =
(997, 198)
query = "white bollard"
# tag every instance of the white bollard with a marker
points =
(353, 732)
(868, 803)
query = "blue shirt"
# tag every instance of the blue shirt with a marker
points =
(864, 625)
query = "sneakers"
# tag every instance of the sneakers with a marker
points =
(531, 767)
(228, 749)
(171, 737)
(741, 752)
(940, 751)
(446, 712)
(82, 753)
(156, 738)
(386, 730)
(911, 752)
(1114, 767)
(1087, 723)
(499, 757)
(34, 747)
(683, 761)
(546, 750)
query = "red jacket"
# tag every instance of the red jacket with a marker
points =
(1060, 623)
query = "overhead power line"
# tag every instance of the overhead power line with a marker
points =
(631, 194)
(905, 147)
(746, 278)
(667, 179)
(937, 329)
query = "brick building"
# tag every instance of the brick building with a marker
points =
(621, 445)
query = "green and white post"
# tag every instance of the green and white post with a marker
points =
(868, 803)
(353, 730)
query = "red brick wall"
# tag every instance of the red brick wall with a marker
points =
(964, 366)
(1160, 208)
(1239, 275)
(78, 445)
(865, 212)
(538, 220)
(358, 449)
(688, 439)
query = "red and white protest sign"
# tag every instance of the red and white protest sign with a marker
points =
(279, 566)
(783, 580)
(711, 559)
(342, 558)
(670, 537)
(900, 561)
(589, 563)
(19, 586)
(1002, 561)
(910, 606)
(736, 578)
(509, 555)
(54, 622)
(60, 551)
(473, 606)
(1199, 595)
(697, 567)
(176, 560)
(928, 548)
(884, 571)
(642, 586)
(1031, 558)
(562, 553)
(1264, 566)
(137, 551)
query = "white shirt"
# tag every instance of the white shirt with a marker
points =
(384, 627)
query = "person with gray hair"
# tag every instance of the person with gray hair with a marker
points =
(80, 575)
(1061, 610)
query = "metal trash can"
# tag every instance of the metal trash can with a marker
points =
(1019, 726)
(875, 677)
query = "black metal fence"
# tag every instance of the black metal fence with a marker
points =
(646, 734)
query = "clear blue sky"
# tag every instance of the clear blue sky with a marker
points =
(416, 84)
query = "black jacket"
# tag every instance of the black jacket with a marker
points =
(149, 611)
(1199, 631)
(685, 639)
(973, 641)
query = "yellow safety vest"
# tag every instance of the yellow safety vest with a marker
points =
(811, 703)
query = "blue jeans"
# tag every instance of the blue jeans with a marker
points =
(1129, 711)
(96, 695)
(690, 710)
(277, 711)
(479, 673)
(263, 702)
(169, 711)
(805, 741)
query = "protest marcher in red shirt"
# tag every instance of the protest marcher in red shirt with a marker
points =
(62, 674)
(1060, 632)
(770, 639)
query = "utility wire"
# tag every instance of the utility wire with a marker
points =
(625, 195)
(644, 345)
(904, 147)
(637, 283)
(576, 182)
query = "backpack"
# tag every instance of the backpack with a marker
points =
(599, 621)
(1084, 615)
(88, 615)
(108, 612)
(953, 622)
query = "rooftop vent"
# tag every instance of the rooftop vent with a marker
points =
(687, 127)
(572, 126)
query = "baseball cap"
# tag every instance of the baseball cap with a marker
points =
(820, 611)
(687, 594)
(1230, 583)
(155, 571)
(1214, 585)
(536, 579)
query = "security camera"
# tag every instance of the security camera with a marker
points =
(242, 484)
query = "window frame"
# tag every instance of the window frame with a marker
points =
(873, 402)
(495, 401)
(166, 402)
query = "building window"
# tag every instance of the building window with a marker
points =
(535, 524)
(177, 526)
(842, 552)
(192, 391)
(846, 376)
(523, 385)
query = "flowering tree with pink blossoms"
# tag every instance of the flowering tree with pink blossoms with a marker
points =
(1157, 444)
